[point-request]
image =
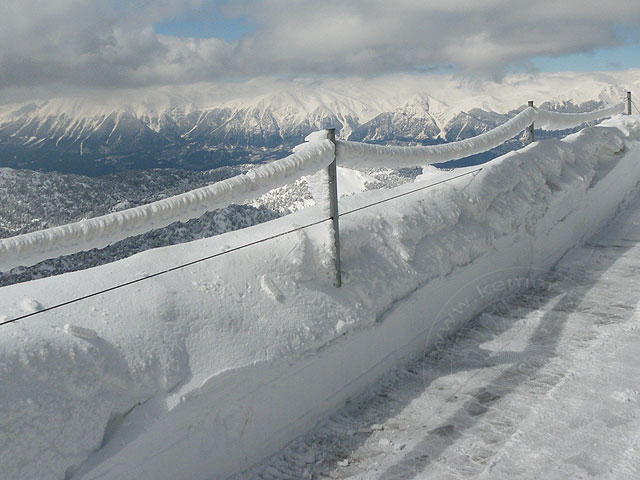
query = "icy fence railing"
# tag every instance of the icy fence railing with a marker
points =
(363, 155)
(308, 158)
(99, 232)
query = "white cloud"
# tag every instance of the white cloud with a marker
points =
(107, 43)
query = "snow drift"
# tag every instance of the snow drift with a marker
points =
(203, 372)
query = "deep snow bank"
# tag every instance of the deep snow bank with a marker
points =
(202, 372)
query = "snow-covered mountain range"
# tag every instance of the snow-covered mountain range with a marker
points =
(208, 125)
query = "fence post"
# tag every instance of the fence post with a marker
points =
(531, 137)
(628, 103)
(333, 205)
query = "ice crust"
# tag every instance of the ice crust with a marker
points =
(203, 372)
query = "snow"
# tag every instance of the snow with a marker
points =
(291, 103)
(80, 332)
(29, 305)
(357, 98)
(560, 121)
(271, 289)
(542, 384)
(308, 158)
(203, 372)
(362, 155)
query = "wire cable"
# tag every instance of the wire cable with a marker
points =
(215, 255)
(409, 192)
(163, 272)
(478, 119)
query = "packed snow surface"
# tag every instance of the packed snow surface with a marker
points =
(207, 370)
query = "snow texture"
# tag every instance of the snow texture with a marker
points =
(542, 385)
(99, 232)
(200, 374)
(80, 332)
(271, 289)
(29, 305)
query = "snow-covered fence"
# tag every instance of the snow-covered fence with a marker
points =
(98, 232)
(531, 130)
(332, 174)
(363, 155)
(313, 156)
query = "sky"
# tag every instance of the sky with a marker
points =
(109, 44)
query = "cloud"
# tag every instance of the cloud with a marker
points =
(112, 43)
(373, 36)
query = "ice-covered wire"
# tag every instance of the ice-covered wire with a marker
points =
(424, 187)
(475, 118)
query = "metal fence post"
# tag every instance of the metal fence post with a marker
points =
(531, 136)
(628, 103)
(333, 205)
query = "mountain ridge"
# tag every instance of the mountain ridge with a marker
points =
(191, 126)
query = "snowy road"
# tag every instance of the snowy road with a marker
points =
(545, 384)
